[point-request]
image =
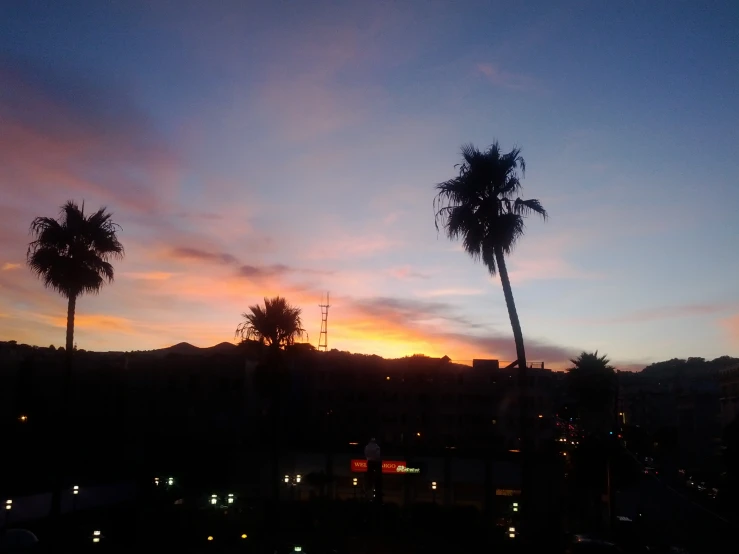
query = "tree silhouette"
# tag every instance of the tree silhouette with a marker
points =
(480, 206)
(277, 325)
(592, 387)
(72, 255)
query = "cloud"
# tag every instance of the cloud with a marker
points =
(407, 273)
(505, 79)
(451, 292)
(352, 247)
(538, 269)
(8, 266)
(149, 275)
(60, 131)
(731, 326)
(666, 312)
(195, 254)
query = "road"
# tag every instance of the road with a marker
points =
(669, 517)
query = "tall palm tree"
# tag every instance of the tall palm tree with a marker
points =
(72, 255)
(480, 206)
(276, 325)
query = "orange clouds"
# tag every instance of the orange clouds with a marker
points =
(8, 266)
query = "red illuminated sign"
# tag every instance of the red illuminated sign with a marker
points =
(360, 466)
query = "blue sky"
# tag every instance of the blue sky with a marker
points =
(301, 141)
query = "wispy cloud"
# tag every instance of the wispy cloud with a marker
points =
(731, 326)
(451, 292)
(149, 275)
(197, 255)
(8, 266)
(663, 313)
(505, 79)
(407, 273)
(60, 131)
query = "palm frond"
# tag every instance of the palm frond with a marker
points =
(526, 207)
(72, 254)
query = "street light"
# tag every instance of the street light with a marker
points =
(287, 478)
(76, 489)
(156, 481)
(96, 536)
(170, 481)
(515, 506)
(8, 504)
(512, 532)
(297, 478)
(230, 498)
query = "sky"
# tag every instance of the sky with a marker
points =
(250, 149)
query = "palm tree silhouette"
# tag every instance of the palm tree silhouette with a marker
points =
(480, 206)
(72, 255)
(276, 326)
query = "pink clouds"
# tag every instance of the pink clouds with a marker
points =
(731, 325)
(56, 134)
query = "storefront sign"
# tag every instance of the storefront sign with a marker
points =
(507, 492)
(360, 466)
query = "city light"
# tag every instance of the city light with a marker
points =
(354, 481)
(156, 481)
(287, 478)
(387, 378)
(297, 478)
(76, 489)
(433, 485)
(23, 418)
(210, 537)
(96, 536)
(540, 416)
(214, 499)
(515, 506)
(298, 549)
(418, 434)
(243, 535)
(230, 498)
(8, 504)
(170, 481)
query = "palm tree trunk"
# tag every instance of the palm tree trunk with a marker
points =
(62, 420)
(525, 442)
(518, 338)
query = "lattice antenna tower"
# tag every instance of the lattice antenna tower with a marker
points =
(323, 337)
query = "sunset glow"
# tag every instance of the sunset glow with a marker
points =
(293, 149)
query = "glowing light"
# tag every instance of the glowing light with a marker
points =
(95, 539)
(170, 481)
(433, 485)
(354, 481)
(418, 434)
(297, 478)
(243, 535)
(76, 489)
(540, 416)
(23, 418)
(387, 378)
(210, 537)
(8, 504)
(96, 533)
(287, 478)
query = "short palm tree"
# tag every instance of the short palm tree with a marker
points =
(275, 325)
(593, 388)
(480, 206)
(72, 255)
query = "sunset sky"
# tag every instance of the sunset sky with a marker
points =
(250, 149)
